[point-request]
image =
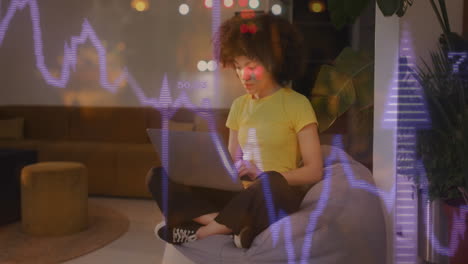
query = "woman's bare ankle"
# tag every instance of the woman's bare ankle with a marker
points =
(201, 232)
(206, 219)
(214, 228)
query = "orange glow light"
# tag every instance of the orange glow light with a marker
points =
(317, 6)
(140, 5)
(121, 46)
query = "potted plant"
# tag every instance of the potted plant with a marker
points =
(347, 86)
(344, 12)
(443, 149)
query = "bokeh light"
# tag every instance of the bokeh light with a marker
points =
(140, 5)
(254, 4)
(228, 3)
(316, 6)
(208, 3)
(243, 3)
(276, 9)
(212, 65)
(121, 46)
(202, 65)
(184, 9)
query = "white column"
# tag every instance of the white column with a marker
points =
(386, 65)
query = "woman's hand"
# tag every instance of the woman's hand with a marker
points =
(247, 168)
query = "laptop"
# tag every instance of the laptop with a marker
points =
(195, 159)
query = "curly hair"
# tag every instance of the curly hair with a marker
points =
(267, 38)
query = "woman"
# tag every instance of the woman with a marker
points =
(271, 129)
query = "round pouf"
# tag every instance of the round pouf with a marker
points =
(54, 198)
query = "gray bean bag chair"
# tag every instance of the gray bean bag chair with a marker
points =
(340, 221)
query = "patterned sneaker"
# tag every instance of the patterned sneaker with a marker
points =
(245, 238)
(177, 235)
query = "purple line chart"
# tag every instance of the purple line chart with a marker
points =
(406, 111)
(70, 49)
(459, 58)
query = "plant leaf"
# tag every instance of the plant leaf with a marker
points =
(404, 6)
(344, 12)
(389, 7)
(332, 95)
(337, 12)
(443, 148)
(360, 67)
(353, 9)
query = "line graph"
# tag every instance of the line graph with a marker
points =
(407, 112)
(167, 107)
(70, 49)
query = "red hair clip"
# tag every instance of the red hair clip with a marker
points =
(248, 28)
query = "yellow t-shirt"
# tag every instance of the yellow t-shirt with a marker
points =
(267, 128)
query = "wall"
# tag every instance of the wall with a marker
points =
(424, 27)
(35, 69)
(465, 21)
(386, 57)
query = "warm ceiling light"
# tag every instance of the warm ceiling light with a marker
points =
(228, 3)
(202, 65)
(316, 6)
(140, 5)
(121, 46)
(212, 65)
(184, 9)
(254, 4)
(276, 9)
(208, 3)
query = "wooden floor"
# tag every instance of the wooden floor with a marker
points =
(138, 245)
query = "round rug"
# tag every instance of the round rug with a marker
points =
(104, 226)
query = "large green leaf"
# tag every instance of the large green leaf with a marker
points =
(339, 19)
(403, 7)
(332, 95)
(350, 82)
(360, 67)
(344, 12)
(354, 8)
(389, 7)
(337, 12)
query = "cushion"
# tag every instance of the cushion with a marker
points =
(11, 128)
(201, 124)
(54, 198)
(100, 160)
(181, 126)
(132, 163)
(22, 144)
(108, 124)
(41, 122)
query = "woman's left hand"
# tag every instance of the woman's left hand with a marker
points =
(247, 168)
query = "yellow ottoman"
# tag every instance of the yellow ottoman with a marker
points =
(54, 198)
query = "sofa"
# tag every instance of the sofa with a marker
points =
(111, 141)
